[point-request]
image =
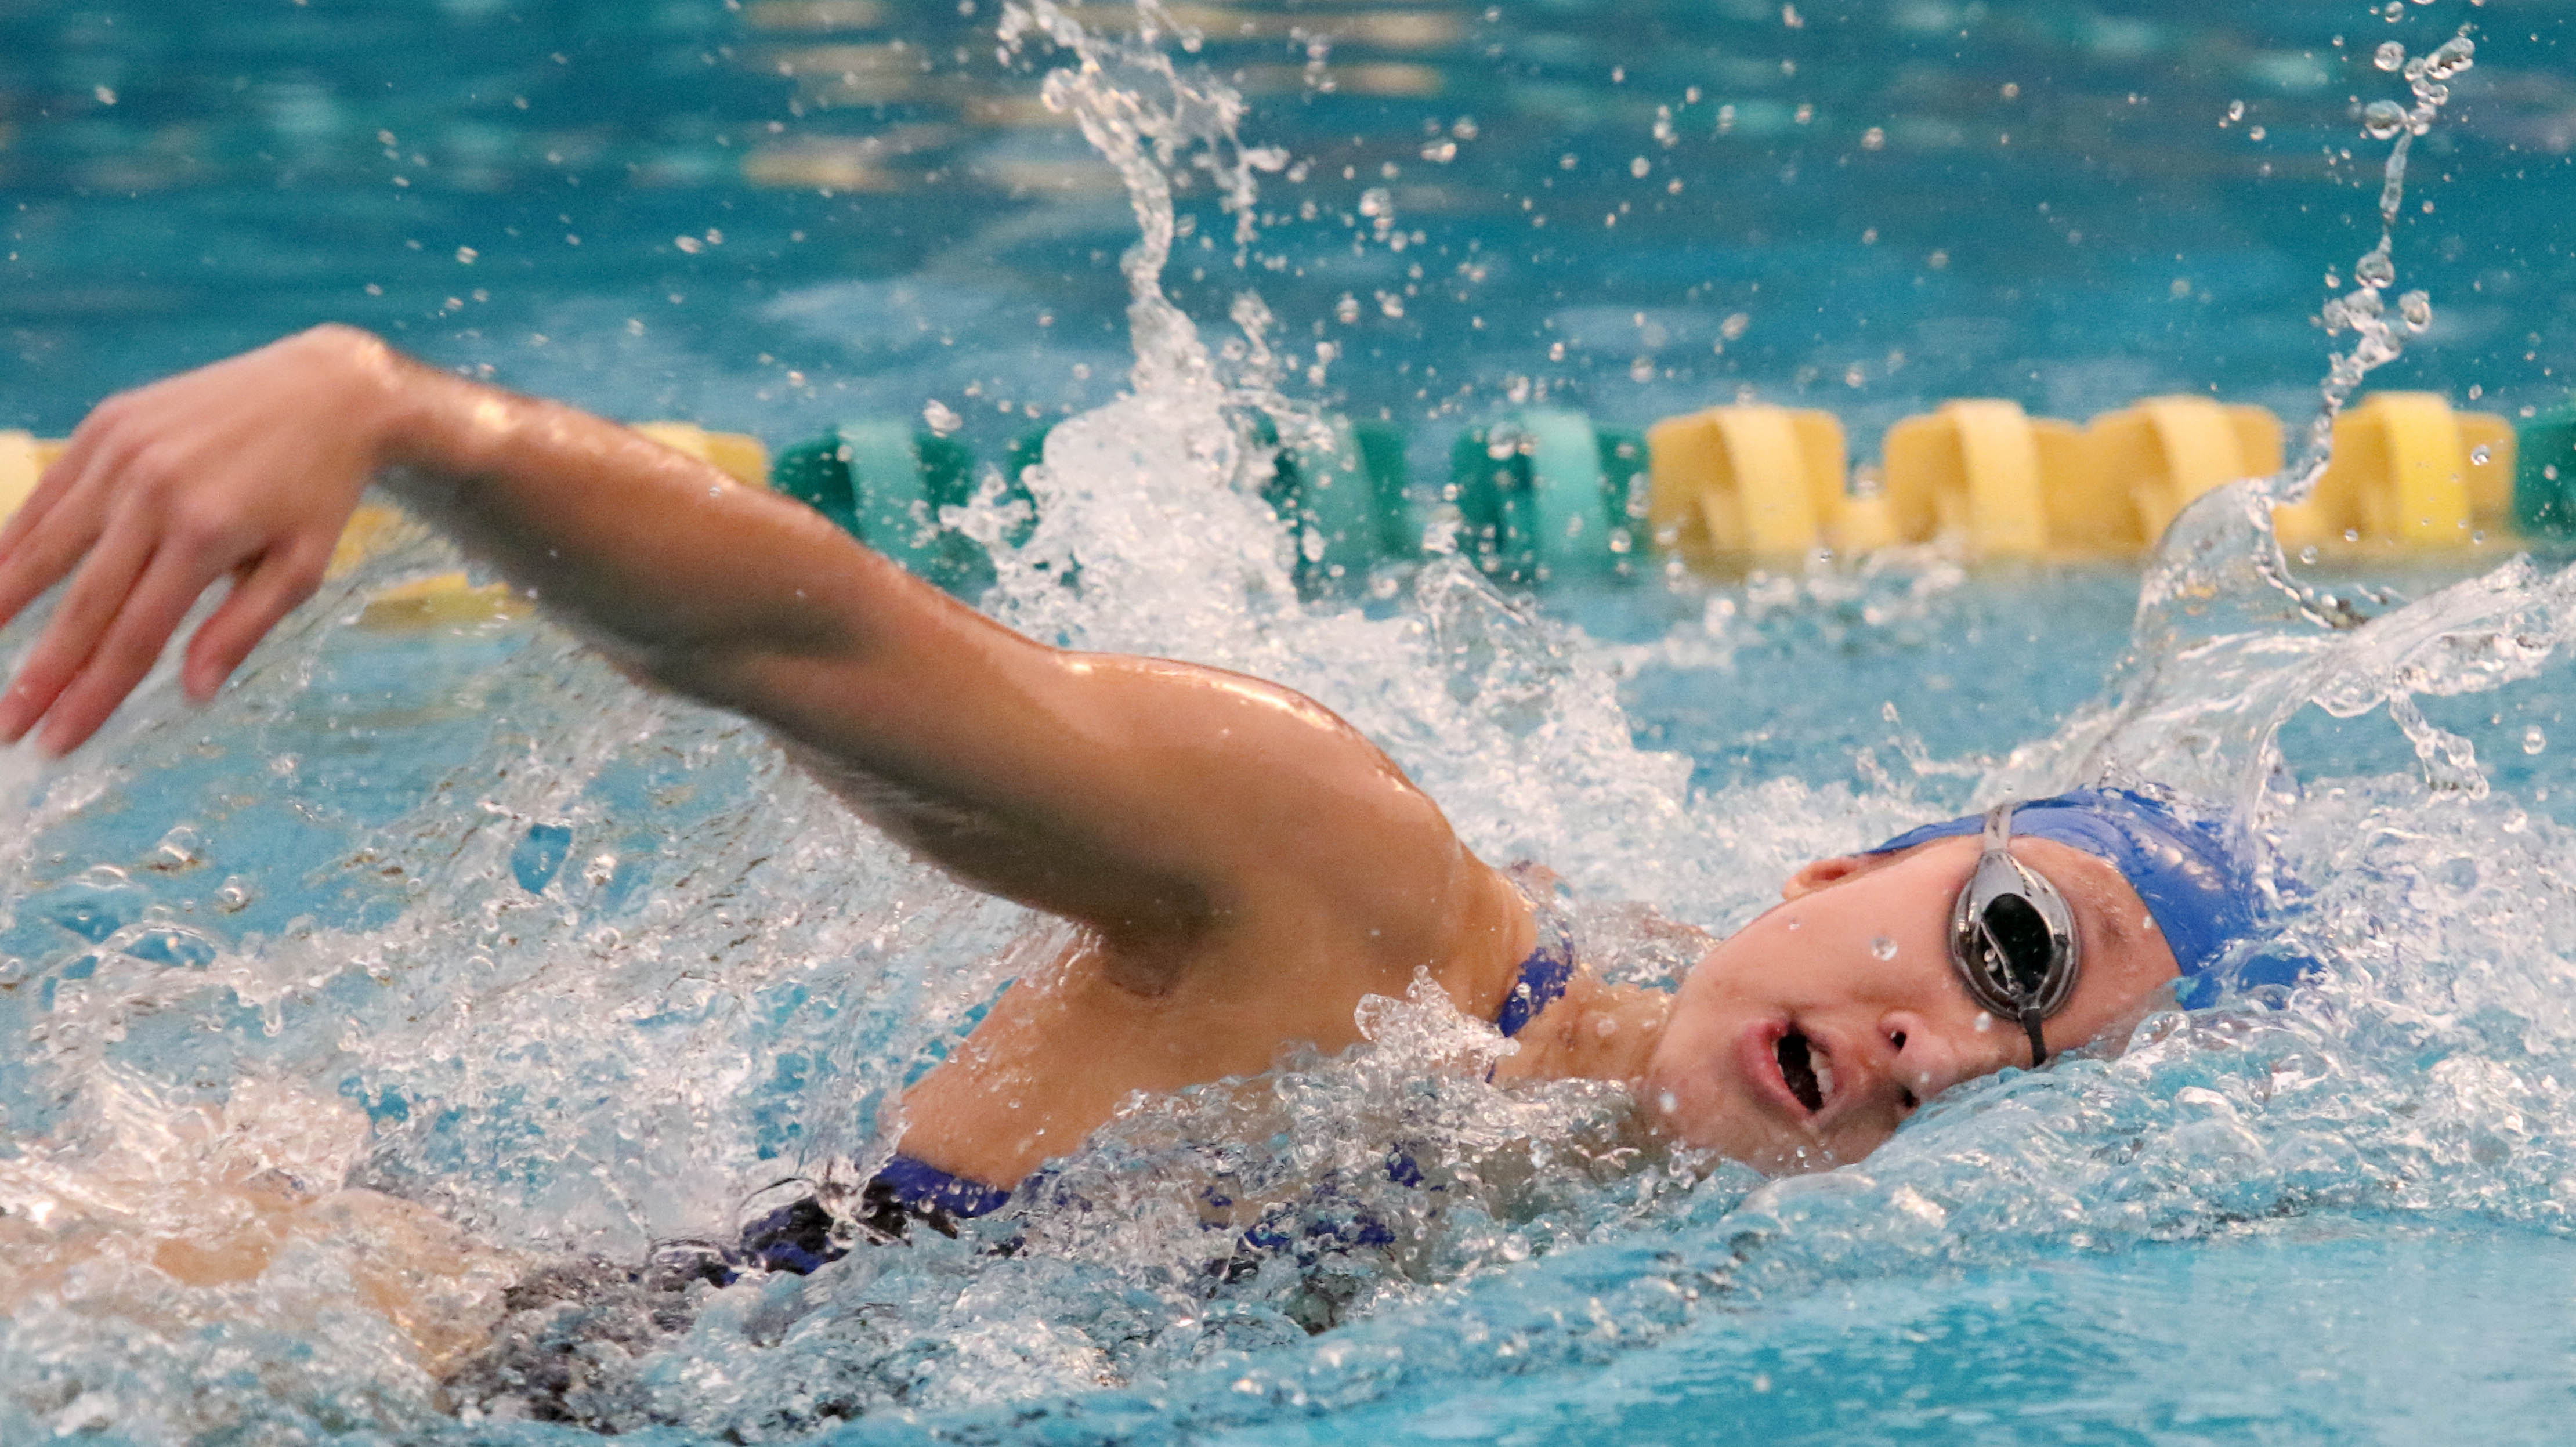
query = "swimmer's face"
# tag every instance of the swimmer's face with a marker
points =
(1804, 1039)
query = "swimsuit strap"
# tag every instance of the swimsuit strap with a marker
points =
(1545, 973)
(921, 1188)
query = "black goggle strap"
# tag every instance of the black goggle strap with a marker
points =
(2030, 1015)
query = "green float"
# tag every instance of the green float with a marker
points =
(1544, 495)
(2544, 478)
(885, 482)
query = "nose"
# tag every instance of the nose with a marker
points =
(1923, 1059)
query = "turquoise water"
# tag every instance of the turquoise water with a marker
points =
(460, 916)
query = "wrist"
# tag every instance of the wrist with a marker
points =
(417, 422)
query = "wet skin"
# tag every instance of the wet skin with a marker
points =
(1239, 866)
(1852, 972)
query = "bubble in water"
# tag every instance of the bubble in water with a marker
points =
(941, 420)
(1347, 310)
(2393, 11)
(2452, 57)
(2381, 120)
(1642, 370)
(2389, 56)
(2533, 740)
(2481, 454)
(1639, 167)
(181, 848)
(2375, 269)
(235, 896)
(2417, 308)
(1883, 948)
(2236, 110)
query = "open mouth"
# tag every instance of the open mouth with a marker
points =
(1809, 1073)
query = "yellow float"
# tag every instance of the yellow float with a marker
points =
(2408, 472)
(2147, 462)
(1982, 470)
(1754, 482)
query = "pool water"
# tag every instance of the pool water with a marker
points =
(460, 916)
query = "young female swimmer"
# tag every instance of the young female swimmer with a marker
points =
(1242, 865)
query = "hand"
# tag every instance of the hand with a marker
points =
(247, 469)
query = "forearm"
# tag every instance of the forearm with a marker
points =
(658, 557)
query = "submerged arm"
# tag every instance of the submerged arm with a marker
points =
(1155, 801)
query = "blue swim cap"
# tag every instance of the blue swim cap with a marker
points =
(2202, 897)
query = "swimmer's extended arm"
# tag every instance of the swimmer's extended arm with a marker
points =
(1156, 801)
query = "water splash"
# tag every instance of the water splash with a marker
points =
(2363, 311)
(719, 979)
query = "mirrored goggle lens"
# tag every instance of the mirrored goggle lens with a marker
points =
(2018, 956)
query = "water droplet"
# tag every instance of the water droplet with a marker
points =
(1667, 1103)
(2389, 56)
(1985, 1022)
(2381, 120)
(2533, 740)
(1882, 948)
(181, 848)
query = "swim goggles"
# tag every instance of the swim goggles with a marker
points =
(2012, 937)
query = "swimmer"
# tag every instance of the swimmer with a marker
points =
(1241, 866)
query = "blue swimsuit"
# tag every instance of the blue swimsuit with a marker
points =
(799, 1237)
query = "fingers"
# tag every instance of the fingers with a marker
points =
(80, 619)
(127, 643)
(47, 537)
(273, 588)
